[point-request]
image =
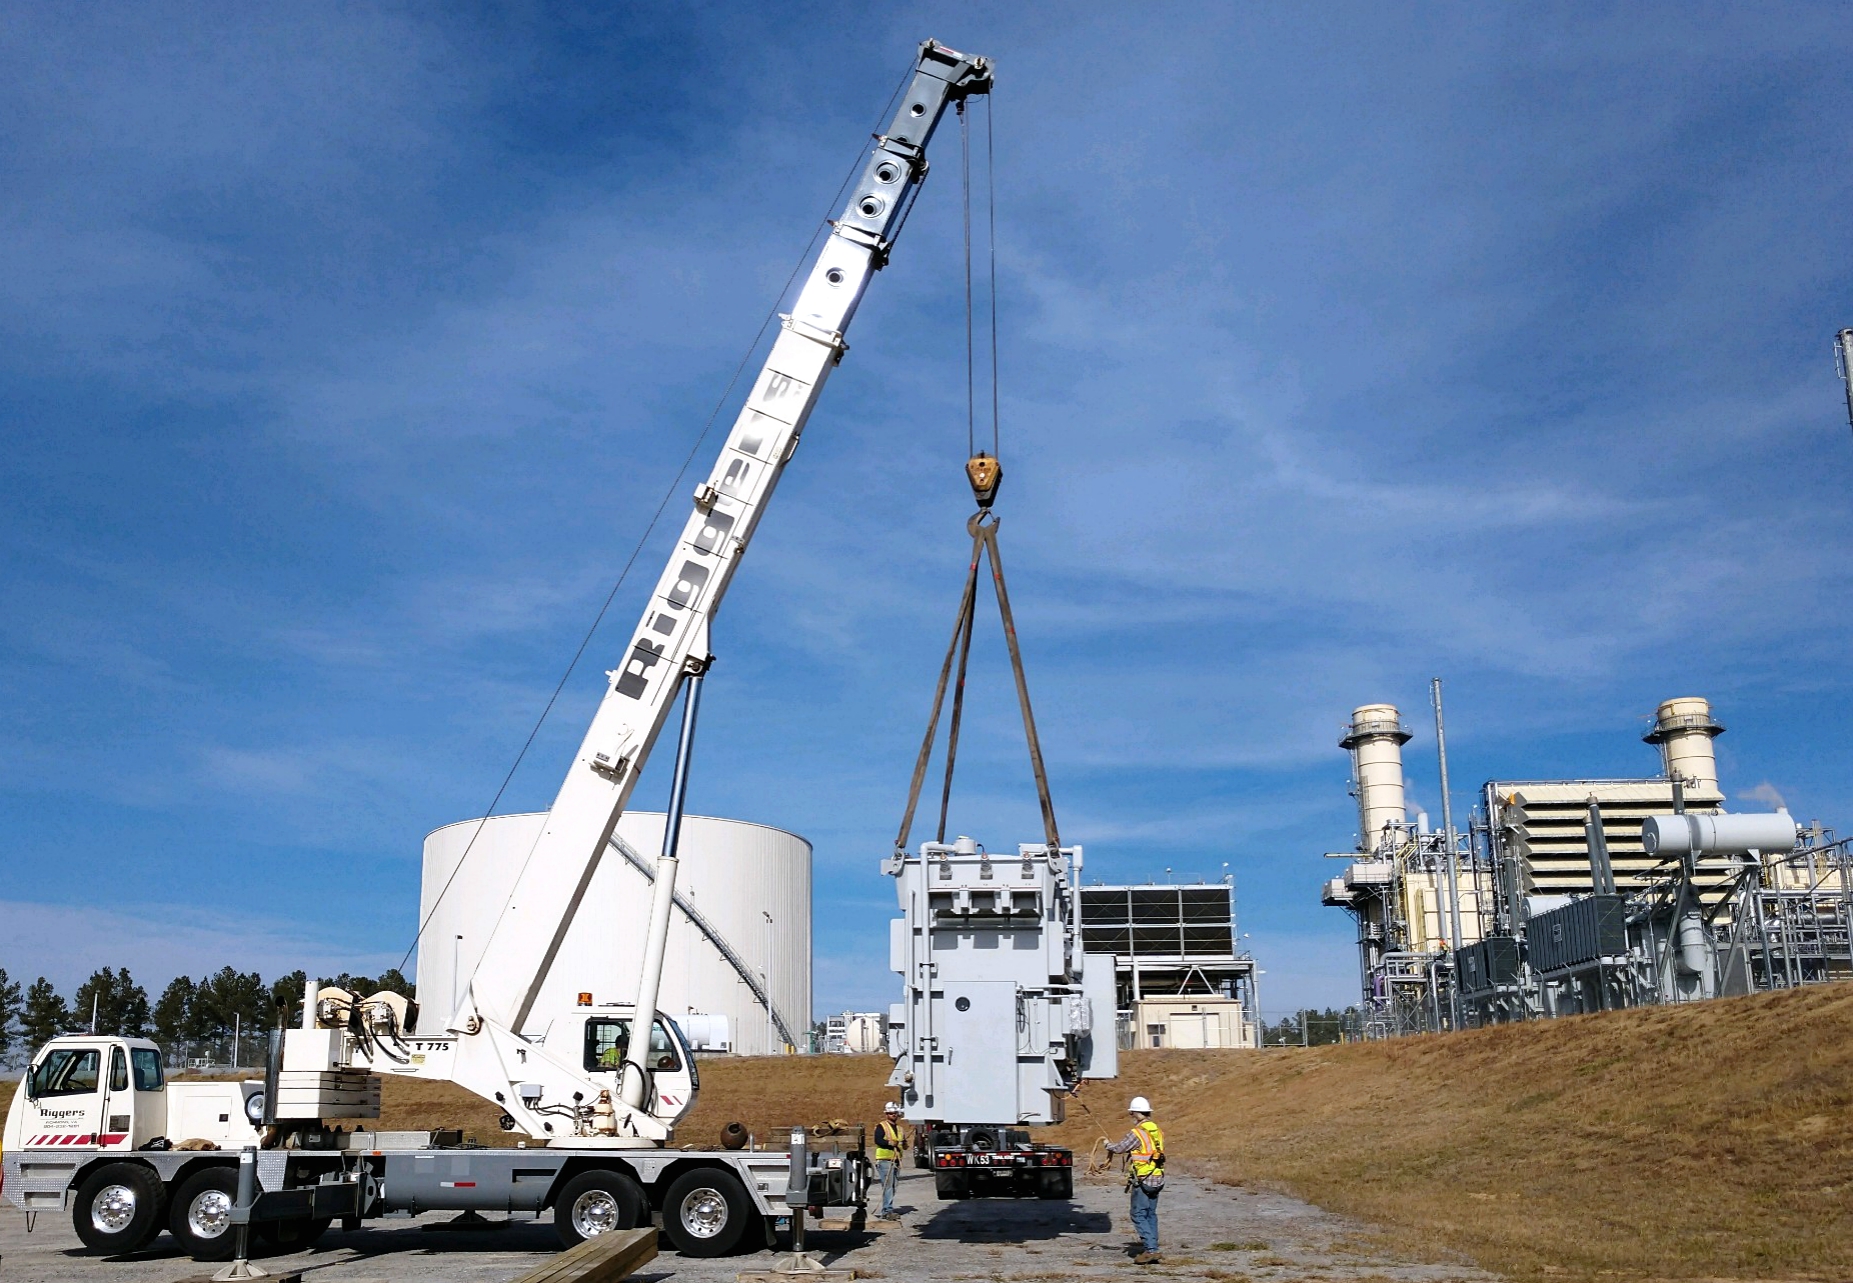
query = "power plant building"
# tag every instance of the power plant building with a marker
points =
(742, 915)
(1578, 895)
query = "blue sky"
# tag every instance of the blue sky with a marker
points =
(345, 351)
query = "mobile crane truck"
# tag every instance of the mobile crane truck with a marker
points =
(96, 1129)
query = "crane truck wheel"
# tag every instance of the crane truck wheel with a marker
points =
(118, 1208)
(199, 1216)
(706, 1212)
(598, 1202)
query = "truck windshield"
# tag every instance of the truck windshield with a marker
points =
(67, 1071)
(147, 1063)
(607, 1042)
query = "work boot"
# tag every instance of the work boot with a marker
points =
(1148, 1258)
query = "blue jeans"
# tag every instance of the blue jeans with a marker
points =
(1145, 1216)
(888, 1172)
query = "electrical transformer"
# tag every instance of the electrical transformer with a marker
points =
(1001, 1015)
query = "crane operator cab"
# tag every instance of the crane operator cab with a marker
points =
(668, 1065)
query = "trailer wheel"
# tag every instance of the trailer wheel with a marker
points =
(949, 1188)
(118, 1208)
(200, 1215)
(1057, 1184)
(706, 1212)
(598, 1202)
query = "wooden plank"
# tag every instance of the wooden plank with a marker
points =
(603, 1259)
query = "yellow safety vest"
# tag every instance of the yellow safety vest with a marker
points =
(888, 1139)
(1150, 1149)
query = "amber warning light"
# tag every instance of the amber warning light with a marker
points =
(585, 999)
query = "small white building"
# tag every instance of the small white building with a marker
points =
(743, 914)
(1191, 1022)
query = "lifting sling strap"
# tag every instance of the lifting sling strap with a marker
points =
(983, 529)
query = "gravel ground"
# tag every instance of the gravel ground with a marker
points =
(1210, 1232)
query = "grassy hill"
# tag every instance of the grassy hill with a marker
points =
(1704, 1142)
(1711, 1141)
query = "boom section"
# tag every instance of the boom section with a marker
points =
(671, 638)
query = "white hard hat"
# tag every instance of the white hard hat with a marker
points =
(891, 1108)
(1140, 1105)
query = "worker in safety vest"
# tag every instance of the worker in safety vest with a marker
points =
(1144, 1147)
(889, 1141)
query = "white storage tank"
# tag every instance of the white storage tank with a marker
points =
(743, 908)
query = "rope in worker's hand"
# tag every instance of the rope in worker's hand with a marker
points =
(1099, 1159)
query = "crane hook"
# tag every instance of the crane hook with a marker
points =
(985, 472)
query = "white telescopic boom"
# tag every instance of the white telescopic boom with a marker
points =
(1843, 351)
(674, 628)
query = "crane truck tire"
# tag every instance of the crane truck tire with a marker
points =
(706, 1212)
(118, 1208)
(598, 1202)
(200, 1214)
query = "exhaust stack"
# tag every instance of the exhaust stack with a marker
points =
(1683, 730)
(1375, 739)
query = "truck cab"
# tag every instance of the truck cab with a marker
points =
(89, 1093)
(85, 1115)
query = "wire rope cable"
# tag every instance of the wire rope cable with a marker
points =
(965, 203)
(650, 529)
(990, 206)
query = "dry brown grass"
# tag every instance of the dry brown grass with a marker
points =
(765, 1093)
(1706, 1142)
(1713, 1141)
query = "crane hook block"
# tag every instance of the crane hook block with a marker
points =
(985, 473)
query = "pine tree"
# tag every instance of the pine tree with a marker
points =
(286, 994)
(132, 1007)
(120, 1006)
(45, 1014)
(230, 999)
(9, 1013)
(173, 1012)
(362, 985)
(393, 982)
